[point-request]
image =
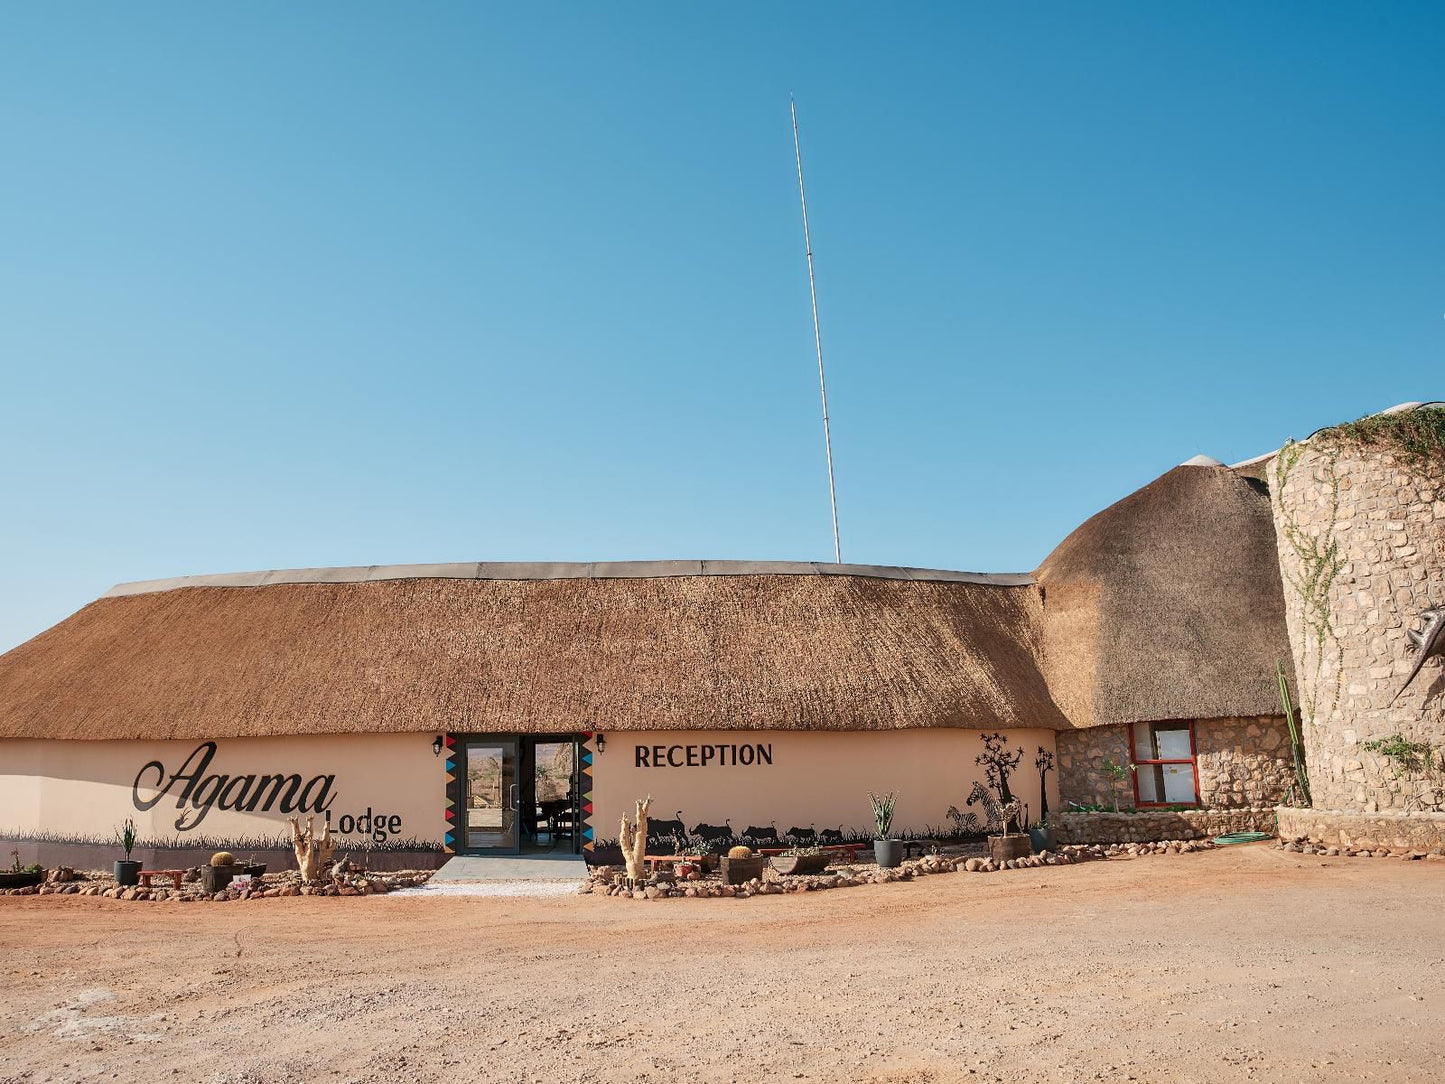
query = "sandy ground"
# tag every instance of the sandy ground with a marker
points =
(1244, 964)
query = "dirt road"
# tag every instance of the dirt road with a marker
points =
(1244, 964)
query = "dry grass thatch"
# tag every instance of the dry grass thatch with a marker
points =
(1168, 604)
(549, 656)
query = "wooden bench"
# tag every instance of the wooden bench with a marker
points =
(174, 874)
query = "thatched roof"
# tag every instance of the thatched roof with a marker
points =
(1168, 604)
(597, 647)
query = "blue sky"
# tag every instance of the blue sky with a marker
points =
(289, 285)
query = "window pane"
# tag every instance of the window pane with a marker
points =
(1178, 782)
(1143, 742)
(1172, 741)
(1151, 782)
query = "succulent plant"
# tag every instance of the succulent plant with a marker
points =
(740, 852)
(125, 835)
(223, 858)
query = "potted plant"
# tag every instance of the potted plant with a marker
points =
(18, 876)
(127, 873)
(887, 851)
(740, 866)
(1041, 835)
(701, 852)
(800, 860)
(1010, 844)
(252, 868)
(219, 872)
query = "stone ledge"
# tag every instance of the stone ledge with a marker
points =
(1149, 827)
(1378, 831)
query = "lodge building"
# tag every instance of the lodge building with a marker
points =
(486, 708)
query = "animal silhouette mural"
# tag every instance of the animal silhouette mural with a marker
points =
(658, 831)
(964, 824)
(763, 835)
(714, 833)
(992, 807)
(803, 837)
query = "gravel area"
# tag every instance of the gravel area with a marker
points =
(1247, 963)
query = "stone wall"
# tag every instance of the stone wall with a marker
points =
(1146, 826)
(1243, 763)
(1082, 778)
(1361, 537)
(1392, 831)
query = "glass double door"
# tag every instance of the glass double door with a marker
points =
(521, 793)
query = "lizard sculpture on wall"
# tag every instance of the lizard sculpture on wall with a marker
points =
(1428, 641)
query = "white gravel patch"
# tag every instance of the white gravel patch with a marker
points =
(489, 888)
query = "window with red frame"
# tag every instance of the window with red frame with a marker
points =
(1166, 772)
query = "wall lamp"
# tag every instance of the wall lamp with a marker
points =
(436, 746)
(601, 742)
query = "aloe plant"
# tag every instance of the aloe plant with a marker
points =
(126, 836)
(883, 812)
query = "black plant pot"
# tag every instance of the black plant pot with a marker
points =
(127, 874)
(888, 852)
(22, 880)
(1042, 839)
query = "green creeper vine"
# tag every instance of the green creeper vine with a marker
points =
(1319, 566)
(1412, 760)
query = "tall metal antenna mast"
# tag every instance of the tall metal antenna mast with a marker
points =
(817, 335)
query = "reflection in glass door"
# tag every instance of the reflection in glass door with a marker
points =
(492, 796)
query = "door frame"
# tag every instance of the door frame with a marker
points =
(511, 744)
(521, 791)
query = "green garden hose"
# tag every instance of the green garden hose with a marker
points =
(1240, 837)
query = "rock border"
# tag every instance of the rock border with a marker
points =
(64, 882)
(1325, 849)
(607, 880)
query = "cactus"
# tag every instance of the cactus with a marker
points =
(223, 858)
(740, 852)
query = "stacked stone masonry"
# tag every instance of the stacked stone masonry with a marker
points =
(1392, 831)
(1082, 778)
(1243, 763)
(1148, 827)
(1361, 535)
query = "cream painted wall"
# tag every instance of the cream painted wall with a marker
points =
(818, 780)
(82, 790)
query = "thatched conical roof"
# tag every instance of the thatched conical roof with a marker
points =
(463, 648)
(1168, 604)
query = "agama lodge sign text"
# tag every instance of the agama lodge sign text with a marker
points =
(197, 790)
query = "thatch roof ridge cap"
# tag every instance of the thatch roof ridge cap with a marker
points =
(560, 570)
